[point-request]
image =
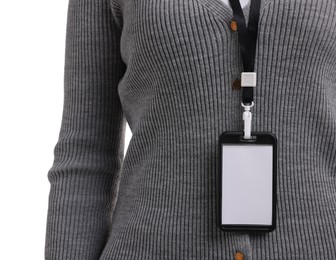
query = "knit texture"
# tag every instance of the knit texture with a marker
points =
(167, 68)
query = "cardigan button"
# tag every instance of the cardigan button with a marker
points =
(239, 256)
(233, 25)
(236, 84)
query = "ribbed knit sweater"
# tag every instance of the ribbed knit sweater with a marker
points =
(167, 67)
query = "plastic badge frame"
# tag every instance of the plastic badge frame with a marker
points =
(231, 137)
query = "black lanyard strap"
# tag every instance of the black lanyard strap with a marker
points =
(247, 40)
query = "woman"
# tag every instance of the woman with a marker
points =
(171, 69)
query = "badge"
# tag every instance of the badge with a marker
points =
(247, 181)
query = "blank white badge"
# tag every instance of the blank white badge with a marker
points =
(247, 172)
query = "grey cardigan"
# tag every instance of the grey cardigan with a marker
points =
(167, 67)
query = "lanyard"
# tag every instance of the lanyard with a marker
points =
(247, 37)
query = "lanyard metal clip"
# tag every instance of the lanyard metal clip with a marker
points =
(247, 117)
(248, 80)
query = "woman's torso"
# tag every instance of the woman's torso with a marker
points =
(182, 58)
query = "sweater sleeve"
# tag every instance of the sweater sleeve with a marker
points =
(88, 155)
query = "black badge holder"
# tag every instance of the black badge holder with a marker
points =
(247, 181)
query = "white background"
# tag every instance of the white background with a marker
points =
(32, 48)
